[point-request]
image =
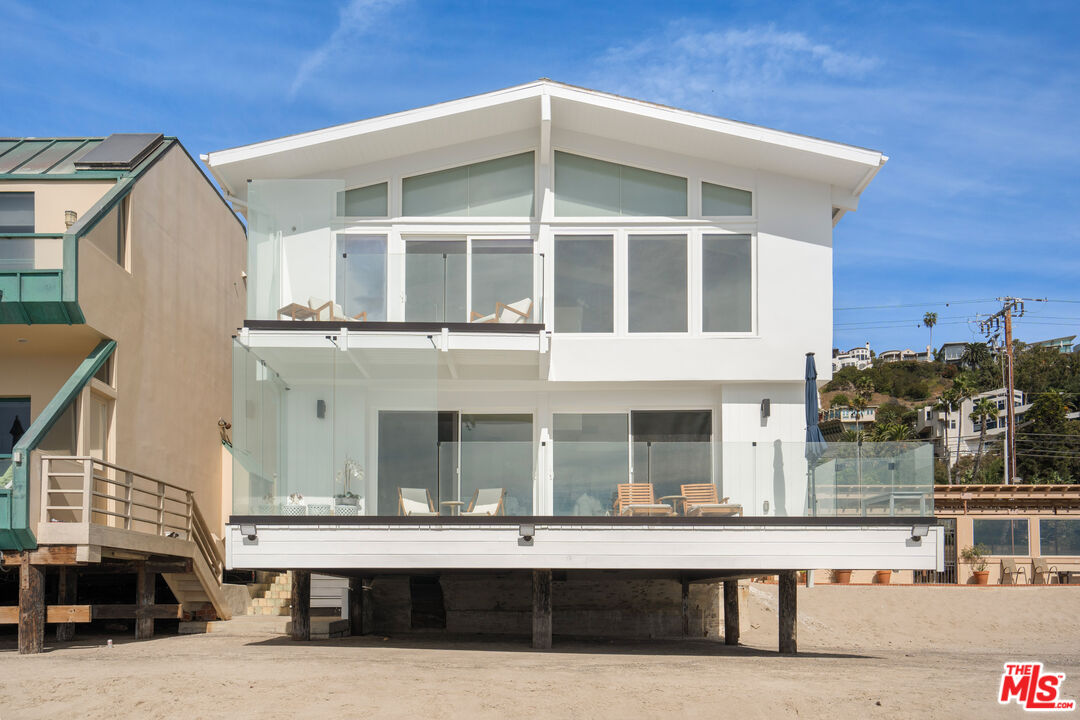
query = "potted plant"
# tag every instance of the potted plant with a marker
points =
(353, 471)
(841, 577)
(976, 555)
(882, 577)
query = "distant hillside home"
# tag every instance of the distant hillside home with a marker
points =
(941, 426)
(857, 357)
(1061, 344)
(952, 352)
(850, 418)
(909, 354)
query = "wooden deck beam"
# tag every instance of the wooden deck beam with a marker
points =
(788, 612)
(45, 555)
(301, 605)
(541, 611)
(731, 612)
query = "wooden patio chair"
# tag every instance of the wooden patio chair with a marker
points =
(415, 501)
(701, 501)
(637, 499)
(330, 310)
(1010, 570)
(514, 313)
(1048, 572)
(486, 502)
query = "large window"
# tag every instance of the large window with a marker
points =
(16, 212)
(584, 283)
(14, 421)
(672, 448)
(496, 188)
(1002, 536)
(361, 276)
(657, 283)
(368, 201)
(586, 187)
(502, 281)
(725, 283)
(591, 457)
(435, 280)
(720, 200)
(1059, 536)
(497, 454)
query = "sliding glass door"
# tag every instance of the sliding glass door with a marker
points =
(591, 456)
(672, 448)
(435, 280)
(361, 276)
(497, 453)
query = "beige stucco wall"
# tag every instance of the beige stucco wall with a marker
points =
(53, 197)
(172, 316)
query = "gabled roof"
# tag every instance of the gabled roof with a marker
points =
(574, 109)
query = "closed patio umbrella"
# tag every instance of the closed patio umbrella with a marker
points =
(815, 441)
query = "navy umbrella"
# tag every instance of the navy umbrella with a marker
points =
(815, 441)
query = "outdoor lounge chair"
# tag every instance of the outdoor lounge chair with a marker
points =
(415, 501)
(701, 501)
(638, 499)
(514, 313)
(330, 310)
(486, 502)
(1009, 571)
(1048, 572)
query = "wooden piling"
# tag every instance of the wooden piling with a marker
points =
(67, 588)
(144, 601)
(301, 605)
(31, 608)
(685, 607)
(731, 612)
(788, 612)
(356, 606)
(541, 616)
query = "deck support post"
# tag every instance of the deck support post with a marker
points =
(144, 602)
(31, 608)
(788, 612)
(301, 605)
(67, 587)
(685, 607)
(731, 612)
(356, 606)
(541, 615)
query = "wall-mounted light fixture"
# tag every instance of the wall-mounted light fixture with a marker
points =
(766, 408)
(320, 409)
(70, 216)
(919, 532)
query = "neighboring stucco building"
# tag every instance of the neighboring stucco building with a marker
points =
(856, 357)
(950, 427)
(122, 278)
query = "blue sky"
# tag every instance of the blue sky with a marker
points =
(976, 104)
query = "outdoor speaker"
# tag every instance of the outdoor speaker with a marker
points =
(766, 408)
(320, 409)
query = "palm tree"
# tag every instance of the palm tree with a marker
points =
(984, 409)
(949, 402)
(964, 388)
(858, 404)
(930, 320)
(892, 432)
(975, 355)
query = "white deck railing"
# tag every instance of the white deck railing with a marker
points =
(89, 491)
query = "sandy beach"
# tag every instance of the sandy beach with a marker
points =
(895, 652)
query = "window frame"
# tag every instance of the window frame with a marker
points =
(699, 276)
(620, 218)
(629, 234)
(752, 189)
(399, 182)
(618, 314)
(1026, 521)
(33, 212)
(1042, 548)
(388, 181)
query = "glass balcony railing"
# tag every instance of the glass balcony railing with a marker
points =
(31, 251)
(433, 284)
(414, 474)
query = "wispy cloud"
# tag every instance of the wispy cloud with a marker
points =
(721, 70)
(355, 20)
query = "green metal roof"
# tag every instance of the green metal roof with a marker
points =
(52, 159)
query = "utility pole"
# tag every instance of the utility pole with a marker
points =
(992, 328)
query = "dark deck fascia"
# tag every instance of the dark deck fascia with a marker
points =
(550, 521)
(428, 327)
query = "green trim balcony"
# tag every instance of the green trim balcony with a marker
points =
(33, 286)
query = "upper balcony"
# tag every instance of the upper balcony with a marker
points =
(32, 272)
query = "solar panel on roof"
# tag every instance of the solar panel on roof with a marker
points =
(120, 151)
(20, 153)
(67, 166)
(48, 157)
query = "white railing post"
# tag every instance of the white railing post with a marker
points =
(129, 483)
(161, 509)
(44, 489)
(88, 488)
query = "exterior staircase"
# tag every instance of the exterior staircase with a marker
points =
(271, 595)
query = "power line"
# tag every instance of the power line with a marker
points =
(923, 304)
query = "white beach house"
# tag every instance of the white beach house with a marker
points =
(548, 329)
